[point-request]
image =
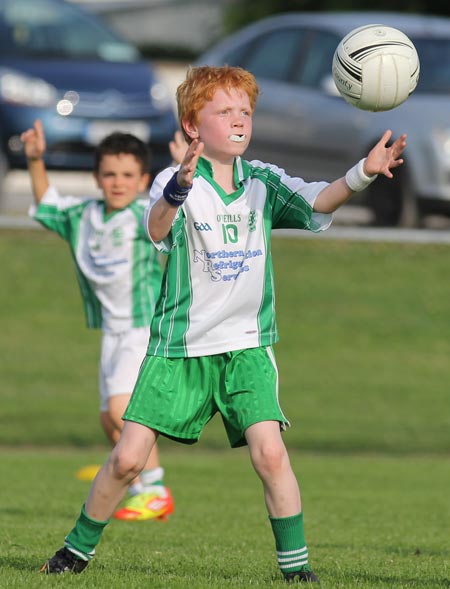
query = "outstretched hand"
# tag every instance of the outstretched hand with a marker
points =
(188, 165)
(382, 159)
(34, 141)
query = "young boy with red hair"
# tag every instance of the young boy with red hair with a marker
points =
(214, 325)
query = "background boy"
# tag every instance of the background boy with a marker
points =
(214, 325)
(119, 276)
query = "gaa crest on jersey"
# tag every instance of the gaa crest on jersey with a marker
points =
(252, 218)
(117, 236)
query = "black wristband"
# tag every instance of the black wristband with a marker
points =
(174, 194)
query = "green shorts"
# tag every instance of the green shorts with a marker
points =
(178, 396)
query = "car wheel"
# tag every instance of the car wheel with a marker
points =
(393, 201)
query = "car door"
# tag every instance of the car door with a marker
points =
(272, 57)
(300, 123)
(333, 133)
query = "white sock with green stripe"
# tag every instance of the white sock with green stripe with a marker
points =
(152, 481)
(292, 552)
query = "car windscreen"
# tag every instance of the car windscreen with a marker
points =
(49, 28)
(434, 56)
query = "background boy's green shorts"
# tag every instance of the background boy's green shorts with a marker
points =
(178, 396)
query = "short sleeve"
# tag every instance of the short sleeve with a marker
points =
(56, 212)
(291, 199)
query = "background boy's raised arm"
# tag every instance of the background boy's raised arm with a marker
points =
(35, 146)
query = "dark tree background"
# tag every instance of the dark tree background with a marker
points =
(242, 12)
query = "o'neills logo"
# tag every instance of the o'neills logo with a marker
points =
(228, 218)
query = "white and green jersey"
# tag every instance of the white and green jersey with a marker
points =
(117, 266)
(217, 293)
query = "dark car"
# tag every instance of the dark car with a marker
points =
(302, 124)
(63, 65)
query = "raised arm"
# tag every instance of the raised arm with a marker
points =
(174, 194)
(34, 145)
(380, 160)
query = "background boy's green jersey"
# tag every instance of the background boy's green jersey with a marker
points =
(217, 293)
(117, 267)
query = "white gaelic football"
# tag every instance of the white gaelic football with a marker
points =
(376, 67)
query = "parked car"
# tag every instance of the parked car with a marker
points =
(302, 124)
(63, 65)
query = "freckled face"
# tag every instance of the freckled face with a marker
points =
(121, 179)
(224, 125)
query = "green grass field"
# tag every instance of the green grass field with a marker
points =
(364, 373)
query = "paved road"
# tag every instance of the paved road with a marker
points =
(16, 197)
(350, 222)
(16, 193)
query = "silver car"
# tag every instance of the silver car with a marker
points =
(303, 125)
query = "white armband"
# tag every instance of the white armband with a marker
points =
(357, 179)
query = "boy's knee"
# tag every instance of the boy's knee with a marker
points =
(125, 465)
(270, 459)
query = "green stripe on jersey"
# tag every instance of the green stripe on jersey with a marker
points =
(91, 304)
(172, 318)
(266, 314)
(146, 273)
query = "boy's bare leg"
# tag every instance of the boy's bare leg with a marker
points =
(271, 462)
(149, 497)
(125, 462)
(112, 433)
(113, 424)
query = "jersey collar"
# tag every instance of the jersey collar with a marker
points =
(241, 171)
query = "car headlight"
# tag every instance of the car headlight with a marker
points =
(25, 90)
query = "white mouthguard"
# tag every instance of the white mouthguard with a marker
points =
(237, 138)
